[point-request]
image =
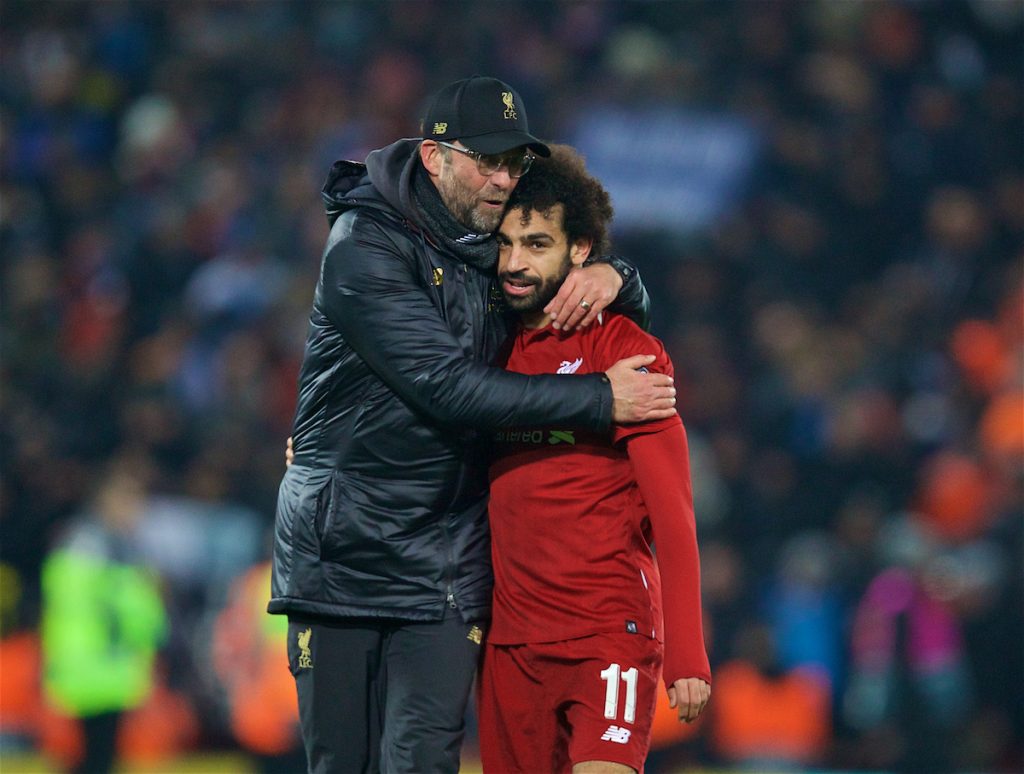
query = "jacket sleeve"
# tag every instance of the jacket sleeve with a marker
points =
(370, 292)
(632, 301)
(661, 465)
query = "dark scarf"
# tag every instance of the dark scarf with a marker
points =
(479, 250)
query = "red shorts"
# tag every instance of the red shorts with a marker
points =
(544, 707)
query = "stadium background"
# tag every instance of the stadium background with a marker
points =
(826, 201)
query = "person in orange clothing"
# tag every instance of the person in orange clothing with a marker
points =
(20, 695)
(764, 718)
(263, 712)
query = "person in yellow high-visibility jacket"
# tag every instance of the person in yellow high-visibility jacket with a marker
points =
(103, 617)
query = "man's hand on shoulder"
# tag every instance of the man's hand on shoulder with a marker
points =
(584, 293)
(638, 395)
(689, 696)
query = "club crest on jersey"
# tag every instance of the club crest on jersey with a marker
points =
(569, 367)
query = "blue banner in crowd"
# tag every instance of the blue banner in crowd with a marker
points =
(668, 169)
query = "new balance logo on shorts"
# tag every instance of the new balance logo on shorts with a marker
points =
(616, 734)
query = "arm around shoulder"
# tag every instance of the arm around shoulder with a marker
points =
(371, 292)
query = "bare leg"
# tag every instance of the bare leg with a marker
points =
(602, 767)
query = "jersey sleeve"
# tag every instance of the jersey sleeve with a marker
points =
(620, 338)
(661, 465)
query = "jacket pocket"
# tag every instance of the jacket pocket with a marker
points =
(357, 523)
(326, 504)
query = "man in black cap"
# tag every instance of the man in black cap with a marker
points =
(381, 552)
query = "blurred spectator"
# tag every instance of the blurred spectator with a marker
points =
(20, 700)
(260, 690)
(910, 691)
(765, 717)
(805, 609)
(102, 618)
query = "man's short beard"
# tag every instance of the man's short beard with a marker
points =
(542, 294)
(480, 222)
(462, 206)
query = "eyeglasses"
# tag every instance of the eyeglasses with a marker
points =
(517, 164)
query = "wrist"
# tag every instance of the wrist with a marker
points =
(624, 269)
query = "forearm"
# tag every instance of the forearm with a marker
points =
(370, 295)
(660, 463)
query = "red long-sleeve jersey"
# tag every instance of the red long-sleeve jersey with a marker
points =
(574, 515)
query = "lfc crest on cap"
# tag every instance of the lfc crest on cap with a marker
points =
(510, 107)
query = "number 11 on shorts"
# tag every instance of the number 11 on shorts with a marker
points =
(611, 676)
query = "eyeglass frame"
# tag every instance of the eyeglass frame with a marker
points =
(502, 160)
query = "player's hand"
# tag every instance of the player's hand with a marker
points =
(597, 285)
(289, 453)
(640, 396)
(689, 696)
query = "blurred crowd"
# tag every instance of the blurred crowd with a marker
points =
(848, 340)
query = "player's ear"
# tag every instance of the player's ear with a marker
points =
(430, 154)
(580, 251)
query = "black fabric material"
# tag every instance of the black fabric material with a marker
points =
(340, 691)
(100, 732)
(486, 114)
(383, 696)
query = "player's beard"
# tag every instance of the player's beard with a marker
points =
(463, 204)
(544, 288)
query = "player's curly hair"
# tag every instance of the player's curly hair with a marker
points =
(563, 179)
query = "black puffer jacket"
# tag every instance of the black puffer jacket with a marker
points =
(384, 511)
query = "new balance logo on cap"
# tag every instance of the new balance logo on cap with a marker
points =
(616, 734)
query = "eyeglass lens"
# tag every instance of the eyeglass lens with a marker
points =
(516, 163)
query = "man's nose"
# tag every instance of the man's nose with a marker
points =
(501, 178)
(511, 259)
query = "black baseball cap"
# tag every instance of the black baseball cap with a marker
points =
(484, 114)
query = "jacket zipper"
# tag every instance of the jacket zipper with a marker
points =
(445, 529)
(469, 288)
(477, 308)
